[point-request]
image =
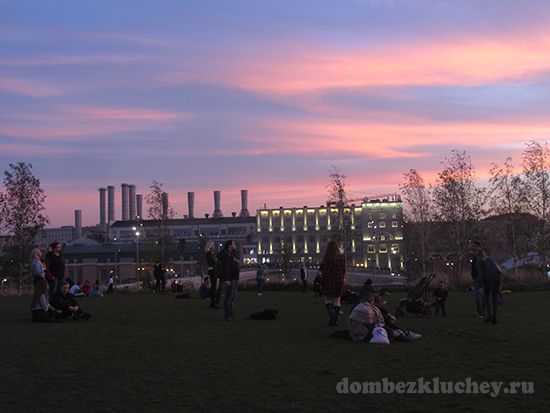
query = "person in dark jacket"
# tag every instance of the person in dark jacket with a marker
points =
(65, 302)
(489, 276)
(55, 267)
(215, 283)
(475, 251)
(229, 271)
(333, 269)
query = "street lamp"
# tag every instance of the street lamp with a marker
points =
(137, 255)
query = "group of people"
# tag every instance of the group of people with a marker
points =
(52, 299)
(487, 280)
(223, 272)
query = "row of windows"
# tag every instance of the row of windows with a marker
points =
(382, 224)
(383, 248)
(381, 216)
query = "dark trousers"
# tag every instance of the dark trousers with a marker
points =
(229, 299)
(215, 288)
(304, 285)
(491, 290)
(440, 305)
(41, 315)
(157, 285)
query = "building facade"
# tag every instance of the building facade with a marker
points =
(375, 233)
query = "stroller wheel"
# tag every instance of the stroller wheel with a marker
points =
(427, 313)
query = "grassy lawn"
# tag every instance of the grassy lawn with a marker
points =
(150, 352)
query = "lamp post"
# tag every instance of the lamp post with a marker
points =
(137, 255)
(116, 265)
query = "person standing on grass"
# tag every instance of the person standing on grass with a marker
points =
(230, 277)
(55, 266)
(110, 285)
(259, 279)
(333, 269)
(37, 267)
(303, 276)
(489, 275)
(476, 252)
(215, 283)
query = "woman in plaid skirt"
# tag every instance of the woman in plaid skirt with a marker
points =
(333, 270)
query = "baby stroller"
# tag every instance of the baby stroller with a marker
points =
(416, 301)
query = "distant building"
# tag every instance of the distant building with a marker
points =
(376, 233)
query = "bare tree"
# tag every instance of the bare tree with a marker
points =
(459, 206)
(536, 167)
(341, 230)
(160, 210)
(508, 196)
(22, 206)
(418, 213)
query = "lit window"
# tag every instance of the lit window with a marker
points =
(369, 224)
(370, 248)
(383, 248)
(382, 224)
(394, 224)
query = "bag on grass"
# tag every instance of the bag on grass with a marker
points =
(379, 336)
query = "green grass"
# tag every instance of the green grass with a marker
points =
(150, 352)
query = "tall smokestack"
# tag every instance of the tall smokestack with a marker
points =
(102, 209)
(165, 205)
(132, 195)
(125, 199)
(110, 204)
(78, 223)
(244, 203)
(217, 201)
(139, 203)
(191, 204)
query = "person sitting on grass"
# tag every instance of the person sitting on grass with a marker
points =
(86, 288)
(75, 290)
(64, 301)
(96, 290)
(204, 289)
(41, 310)
(367, 315)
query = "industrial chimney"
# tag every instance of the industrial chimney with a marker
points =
(132, 195)
(102, 209)
(125, 201)
(139, 203)
(244, 203)
(78, 223)
(110, 204)
(217, 201)
(191, 204)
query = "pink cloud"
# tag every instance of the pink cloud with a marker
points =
(96, 112)
(301, 67)
(30, 87)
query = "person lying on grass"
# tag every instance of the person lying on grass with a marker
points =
(64, 301)
(367, 315)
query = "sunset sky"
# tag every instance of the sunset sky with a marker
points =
(264, 95)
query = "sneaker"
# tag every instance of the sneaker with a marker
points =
(413, 336)
(259, 294)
